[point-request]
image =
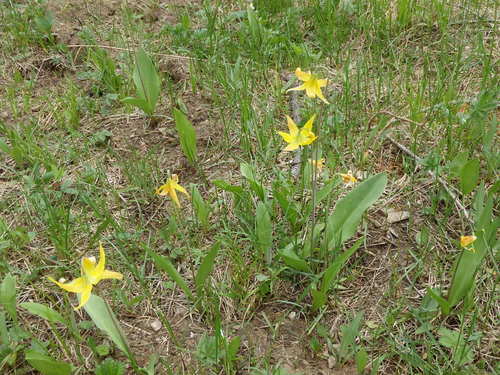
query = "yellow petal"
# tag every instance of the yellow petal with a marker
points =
(75, 286)
(99, 269)
(320, 95)
(309, 124)
(89, 270)
(287, 137)
(303, 76)
(292, 126)
(467, 240)
(107, 274)
(322, 82)
(348, 178)
(84, 297)
(173, 196)
(181, 189)
(291, 147)
(298, 88)
(163, 189)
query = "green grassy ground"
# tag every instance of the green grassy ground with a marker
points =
(413, 94)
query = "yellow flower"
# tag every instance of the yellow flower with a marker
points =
(466, 241)
(297, 137)
(91, 275)
(311, 84)
(348, 178)
(318, 164)
(170, 188)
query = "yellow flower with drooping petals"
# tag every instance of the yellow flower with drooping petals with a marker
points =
(298, 137)
(318, 164)
(311, 84)
(92, 273)
(170, 187)
(466, 242)
(348, 178)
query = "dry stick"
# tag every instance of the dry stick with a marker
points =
(419, 160)
(294, 107)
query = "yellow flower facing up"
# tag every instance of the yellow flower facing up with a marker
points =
(298, 137)
(466, 242)
(348, 178)
(318, 164)
(311, 84)
(92, 273)
(170, 187)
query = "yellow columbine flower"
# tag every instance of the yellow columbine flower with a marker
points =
(311, 84)
(466, 241)
(297, 137)
(348, 178)
(318, 164)
(170, 188)
(91, 275)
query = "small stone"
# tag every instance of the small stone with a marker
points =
(292, 315)
(331, 362)
(394, 216)
(156, 325)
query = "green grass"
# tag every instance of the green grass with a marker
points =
(79, 166)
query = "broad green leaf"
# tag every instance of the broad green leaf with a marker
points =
(201, 208)
(232, 348)
(187, 136)
(307, 250)
(319, 299)
(248, 172)
(147, 81)
(206, 267)
(327, 189)
(110, 367)
(105, 320)
(8, 295)
(167, 266)
(462, 353)
(443, 303)
(343, 222)
(264, 231)
(289, 207)
(236, 190)
(292, 260)
(469, 176)
(333, 270)
(47, 365)
(361, 358)
(458, 163)
(139, 103)
(44, 312)
(349, 334)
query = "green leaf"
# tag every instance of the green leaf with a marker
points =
(264, 231)
(110, 367)
(336, 266)
(236, 190)
(47, 365)
(232, 348)
(201, 208)
(462, 353)
(443, 303)
(139, 103)
(248, 172)
(343, 222)
(319, 299)
(292, 260)
(147, 81)
(187, 136)
(44, 312)
(206, 267)
(361, 358)
(167, 266)
(469, 176)
(8, 295)
(349, 334)
(105, 320)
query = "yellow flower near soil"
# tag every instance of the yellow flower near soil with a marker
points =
(318, 164)
(170, 187)
(348, 178)
(298, 137)
(92, 273)
(311, 84)
(466, 241)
